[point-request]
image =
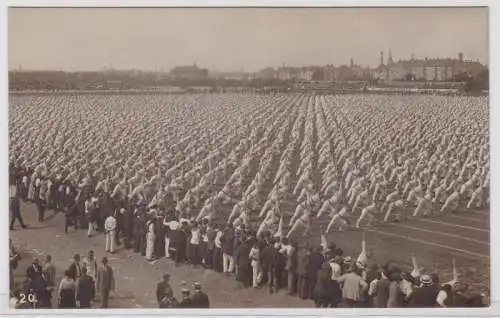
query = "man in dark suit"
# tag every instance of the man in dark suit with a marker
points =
(227, 240)
(163, 289)
(41, 289)
(118, 214)
(315, 262)
(269, 261)
(186, 299)
(178, 241)
(211, 233)
(159, 244)
(85, 289)
(128, 226)
(199, 298)
(291, 268)
(71, 217)
(76, 267)
(105, 282)
(139, 234)
(322, 289)
(15, 210)
(244, 269)
(34, 270)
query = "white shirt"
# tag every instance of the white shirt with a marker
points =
(373, 287)
(110, 223)
(287, 249)
(218, 242)
(91, 265)
(254, 254)
(441, 298)
(336, 270)
(406, 287)
(195, 236)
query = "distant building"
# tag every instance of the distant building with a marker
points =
(266, 73)
(189, 72)
(235, 76)
(306, 73)
(330, 73)
(437, 69)
(353, 72)
(288, 73)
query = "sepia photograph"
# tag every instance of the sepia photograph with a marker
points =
(252, 157)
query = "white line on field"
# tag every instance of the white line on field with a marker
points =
(441, 233)
(429, 243)
(457, 225)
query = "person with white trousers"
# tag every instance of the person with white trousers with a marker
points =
(256, 268)
(110, 232)
(150, 239)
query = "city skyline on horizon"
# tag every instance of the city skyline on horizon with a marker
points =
(235, 42)
(356, 63)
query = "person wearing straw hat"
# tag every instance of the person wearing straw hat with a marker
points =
(425, 295)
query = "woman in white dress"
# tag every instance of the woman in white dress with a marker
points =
(150, 239)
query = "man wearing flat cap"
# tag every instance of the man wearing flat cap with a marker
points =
(199, 298)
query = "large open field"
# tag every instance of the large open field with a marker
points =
(89, 131)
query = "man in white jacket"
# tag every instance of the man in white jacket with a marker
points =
(110, 233)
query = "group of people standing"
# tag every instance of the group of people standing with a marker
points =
(78, 287)
(166, 298)
(321, 274)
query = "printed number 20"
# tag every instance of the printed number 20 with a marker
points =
(31, 298)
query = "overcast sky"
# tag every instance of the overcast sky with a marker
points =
(235, 39)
